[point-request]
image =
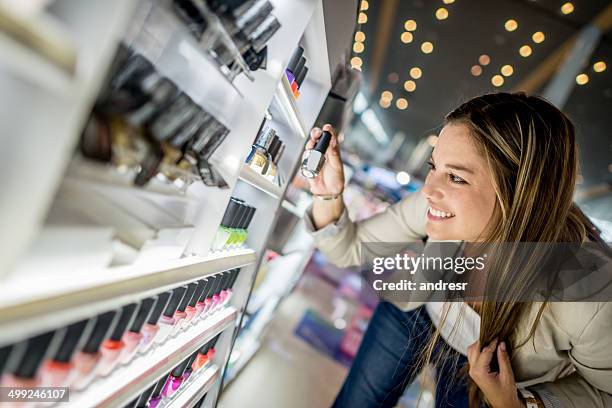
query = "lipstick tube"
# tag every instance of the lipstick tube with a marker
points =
(180, 314)
(166, 322)
(86, 361)
(57, 371)
(174, 381)
(191, 309)
(113, 346)
(151, 328)
(133, 336)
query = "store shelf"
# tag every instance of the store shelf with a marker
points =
(246, 352)
(127, 382)
(196, 389)
(289, 106)
(25, 307)
(255, 179)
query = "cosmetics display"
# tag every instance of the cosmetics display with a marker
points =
(296, 71)
(266, 153)
(249, 24)
(233, 230)
(143, 123)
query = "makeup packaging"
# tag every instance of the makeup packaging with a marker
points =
(57, 370)
(113, 346)
(156, 395)
(133, 337)
(86, 361)
(192, 306)
(175, 379)
(151, 328)
(24, 361)
(166, 322)
(180, 314)
(314, 159)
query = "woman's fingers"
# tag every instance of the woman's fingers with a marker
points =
(505, 366)
(484, 359)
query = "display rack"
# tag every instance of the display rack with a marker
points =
(80, 239)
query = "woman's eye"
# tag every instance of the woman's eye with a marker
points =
(456, 179)
(431, 165)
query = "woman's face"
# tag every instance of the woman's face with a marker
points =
(458, 188)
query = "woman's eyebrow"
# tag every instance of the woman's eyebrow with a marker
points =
(460, 168)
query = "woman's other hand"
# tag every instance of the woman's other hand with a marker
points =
(499, 388)
(330, 180)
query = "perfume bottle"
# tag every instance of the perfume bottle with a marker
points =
(314, 159)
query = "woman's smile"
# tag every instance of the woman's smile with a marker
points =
(438, 215)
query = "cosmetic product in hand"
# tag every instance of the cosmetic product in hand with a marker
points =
(57, 370)
(151, 328)
(192, 306)
(166, 322)
(86, 361)
(25, 358)
(180, 314)
(133, 337)
(156, 395)
(113, 346)
(175, 379)
(314, 159)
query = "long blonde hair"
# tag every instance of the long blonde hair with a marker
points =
(530, 148)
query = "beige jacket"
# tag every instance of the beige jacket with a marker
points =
(571, 363)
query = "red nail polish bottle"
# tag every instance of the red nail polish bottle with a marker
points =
(113, 346)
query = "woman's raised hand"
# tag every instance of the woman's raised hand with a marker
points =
(331, 178)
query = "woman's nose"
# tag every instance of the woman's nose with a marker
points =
(431, 190)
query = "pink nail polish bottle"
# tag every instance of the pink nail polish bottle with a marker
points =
(151, 328)
(175, 379)
(180, 314)
(217, 295)
(191, 309)
(24, 360)
(201, 304)
(188, 371)
(57, 370)
(133, 336)
(215, 281)
(85, 362)
(113, 346)
(166, 322)
(226, 293)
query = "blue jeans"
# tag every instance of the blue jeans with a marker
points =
(386, 361)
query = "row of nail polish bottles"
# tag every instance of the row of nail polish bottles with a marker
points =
(232, 232)
(265, 154)
(296, 71)
(75, 355)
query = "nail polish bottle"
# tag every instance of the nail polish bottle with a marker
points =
(133, 337)
(143, 399)
(223, 293)
(202, 357)
(314, 159)
(180, 314)
(217, 296)
(236, 230)
(293, 62)
(244, 231)
(113, 346)
(225, 298)
(191, 309)
(201, 304)
(5, 353)
(25, 359)
(57, 370)
(151, 328)
(214, 281)
(166, 322)
(156, 395)
(227, 223)
(258, 156)
(272, 167)
(86, 361)
(175, 379)
(188, 371)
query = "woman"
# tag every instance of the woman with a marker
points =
(503, 170)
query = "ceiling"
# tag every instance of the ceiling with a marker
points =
(473, 28)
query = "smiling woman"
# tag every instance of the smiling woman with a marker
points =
(497, 161)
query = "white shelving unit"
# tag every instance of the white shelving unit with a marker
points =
(80, 239)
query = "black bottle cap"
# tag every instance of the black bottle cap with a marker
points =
(204, 294)
(5, 352)
(175, 299)
(187, 298)
(126, 317)
(70, 341)
(230, 213)
(301, 77)
(251, 214)
(159, 386)
(271, 142)
(212, 283)
(242, 216)
(198, 292)
(143, 314)
(32, 353)
(224, 280)
(143, 399)
(218, 282)
(204, 348)
(213, 342)
(275, 149)
(180, 369)
(323, 142)
(158, 309)
(234, 277)
(299, 67)
(190, 361)
(295, 59)
(104, 324)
